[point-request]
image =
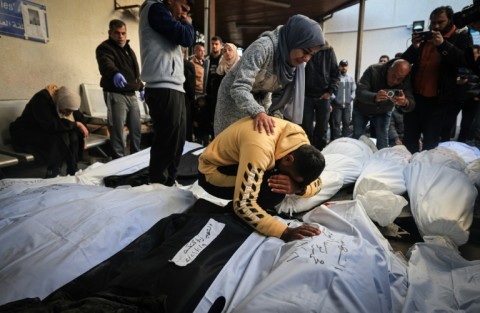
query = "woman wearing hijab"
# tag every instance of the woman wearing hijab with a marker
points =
(51, 130)
(275, 62)
(229, 58)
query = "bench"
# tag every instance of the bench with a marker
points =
(7, 160)
(9, 111)
(95, 108)
(93, 105)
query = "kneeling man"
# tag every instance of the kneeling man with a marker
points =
(257, 170)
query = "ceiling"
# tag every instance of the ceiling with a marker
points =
(242, 21)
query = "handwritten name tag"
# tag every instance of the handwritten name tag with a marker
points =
(192, 249)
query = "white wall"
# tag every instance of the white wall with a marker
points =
(387, 28)
(76, 28)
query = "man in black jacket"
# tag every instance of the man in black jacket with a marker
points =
(321, 81)
(118, 66)
(436, 61)
(381, 88)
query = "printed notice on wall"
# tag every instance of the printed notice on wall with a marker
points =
(34, 21)
(23, 19)
(197, 244)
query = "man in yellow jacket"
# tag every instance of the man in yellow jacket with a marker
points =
(257, 170)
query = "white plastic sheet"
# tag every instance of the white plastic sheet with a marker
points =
(441, 198)
(318, 274)
(441, 280)
(384, 171)
(382, 206)
(332, 181)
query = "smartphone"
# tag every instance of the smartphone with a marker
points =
(427, 35)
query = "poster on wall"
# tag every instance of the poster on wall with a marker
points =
(23, 19)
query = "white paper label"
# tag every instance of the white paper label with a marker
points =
(192, 249)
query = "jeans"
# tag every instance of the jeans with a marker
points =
(341, 117)
(380, 122)
(316, 110)
(123, 110)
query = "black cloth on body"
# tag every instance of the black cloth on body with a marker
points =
(141, 278)
(186, 175)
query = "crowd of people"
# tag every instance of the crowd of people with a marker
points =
(335, 105)
(264, 116)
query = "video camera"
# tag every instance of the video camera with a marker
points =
(426, 35)
(468, 15)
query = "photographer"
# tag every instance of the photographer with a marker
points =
(381, 87)
(436, 59)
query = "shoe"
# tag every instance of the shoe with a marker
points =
(52, 171)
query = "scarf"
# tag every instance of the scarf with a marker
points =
(64, 99)
(224, 65)
(300, 32)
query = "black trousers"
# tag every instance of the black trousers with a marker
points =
(266, 198)
(426, 119)
(167, 110)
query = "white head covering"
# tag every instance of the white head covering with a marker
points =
(66, 99)
(224, 66)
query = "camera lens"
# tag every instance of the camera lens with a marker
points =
(390, 93)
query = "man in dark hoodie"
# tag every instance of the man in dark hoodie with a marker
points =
(321, 81)
(118, 66)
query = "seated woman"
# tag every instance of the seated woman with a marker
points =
(50, 128)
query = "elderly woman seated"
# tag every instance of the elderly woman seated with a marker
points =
(50, 128)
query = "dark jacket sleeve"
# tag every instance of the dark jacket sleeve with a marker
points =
(334, 74)
(411, 54)
(189, 84)
(178, 32)
(364, 91)
(106, 61)
(408, 91)
(113, 59)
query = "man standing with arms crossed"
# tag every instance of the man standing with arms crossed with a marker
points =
(118, 66)
(164, 28)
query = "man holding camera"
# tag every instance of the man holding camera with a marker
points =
(381, 87)
(436, 57)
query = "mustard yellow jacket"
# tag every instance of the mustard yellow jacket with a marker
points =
(254, 153)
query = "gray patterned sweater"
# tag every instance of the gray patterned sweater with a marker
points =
(246, 89)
